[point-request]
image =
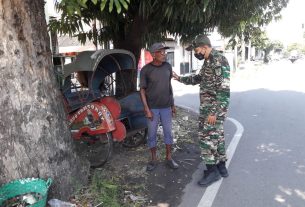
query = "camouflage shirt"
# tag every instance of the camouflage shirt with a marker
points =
(214, 80)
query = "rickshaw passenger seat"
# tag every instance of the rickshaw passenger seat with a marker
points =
(77, 98)
(81, 98)
(131, 105)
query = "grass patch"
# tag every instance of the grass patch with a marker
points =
(104, 191)
(100, 192)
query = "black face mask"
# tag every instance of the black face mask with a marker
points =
(199, 56)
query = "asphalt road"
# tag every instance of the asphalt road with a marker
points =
(268, 167)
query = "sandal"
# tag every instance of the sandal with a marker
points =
(151, 166)
(172, 164)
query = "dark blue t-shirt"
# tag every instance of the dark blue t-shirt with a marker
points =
(156, 80)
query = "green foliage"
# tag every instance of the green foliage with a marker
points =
(261, 41)
(278, 46)
(251, 28)
(71, 7)
(101, 191)
(138, 23)
(300, 48)
(252, 14)
(105, 192)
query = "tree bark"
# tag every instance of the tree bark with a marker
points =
(243, 48)
(34, 138)
(131, 45)
(131, 37)
(249, 50)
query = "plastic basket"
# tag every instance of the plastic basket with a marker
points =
(26, 186)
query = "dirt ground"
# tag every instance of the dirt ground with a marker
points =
(127, 167)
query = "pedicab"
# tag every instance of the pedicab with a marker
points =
(102, 103)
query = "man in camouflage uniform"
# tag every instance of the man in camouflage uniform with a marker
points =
(214, 80)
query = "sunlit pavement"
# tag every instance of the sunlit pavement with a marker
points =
(276, 76)
(268, 167)
(280, 75)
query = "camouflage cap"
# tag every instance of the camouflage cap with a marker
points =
(157, 47)
(199, 41)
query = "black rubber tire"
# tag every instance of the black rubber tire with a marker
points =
(136, 140)
(99, 152)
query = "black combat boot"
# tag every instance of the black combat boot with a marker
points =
(210, 176)
(222, 169)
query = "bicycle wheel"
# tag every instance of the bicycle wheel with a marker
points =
(136, 139)
(99, 152)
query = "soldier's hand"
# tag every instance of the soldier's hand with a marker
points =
(211, 119)
(175, 76)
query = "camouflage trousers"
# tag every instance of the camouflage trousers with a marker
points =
(212, 141)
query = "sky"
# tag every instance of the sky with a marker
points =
(289, 29)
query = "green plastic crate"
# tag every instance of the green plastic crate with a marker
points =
(26, 186)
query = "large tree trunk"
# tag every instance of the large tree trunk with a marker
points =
(131, 37)
(130, 45)
(34, 138)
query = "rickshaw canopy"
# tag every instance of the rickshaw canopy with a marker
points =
(111, 60)
(99, 73)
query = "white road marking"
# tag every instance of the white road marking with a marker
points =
(211, 191)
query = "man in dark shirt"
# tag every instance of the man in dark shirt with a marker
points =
(157, 97)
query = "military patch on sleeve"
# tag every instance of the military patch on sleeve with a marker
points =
(218, 71)
(226, 71)
(217, 66)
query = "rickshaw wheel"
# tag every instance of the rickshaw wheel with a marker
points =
(99, 152)
(136, 139)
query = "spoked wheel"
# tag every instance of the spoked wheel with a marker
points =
(136, 139)
(99, 152)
